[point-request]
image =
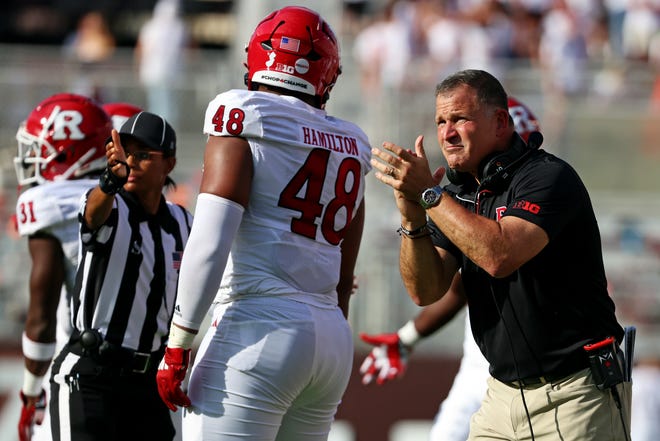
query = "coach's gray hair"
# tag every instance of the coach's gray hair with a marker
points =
(489, 90)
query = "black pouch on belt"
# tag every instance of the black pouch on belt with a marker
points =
(604, 363)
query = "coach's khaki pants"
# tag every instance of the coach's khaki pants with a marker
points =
(572, 409)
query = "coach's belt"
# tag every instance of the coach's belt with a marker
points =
(534, 382)
(531, 382)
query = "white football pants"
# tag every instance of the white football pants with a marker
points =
(269, 368)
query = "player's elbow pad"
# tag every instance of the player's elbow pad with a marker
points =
(214, 228)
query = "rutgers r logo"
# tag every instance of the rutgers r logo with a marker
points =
(65, 124)
(527, 206)
(499, 212)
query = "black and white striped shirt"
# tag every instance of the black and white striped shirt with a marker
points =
(128, 273)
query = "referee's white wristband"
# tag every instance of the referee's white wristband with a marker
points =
(180, 338)
(37, 351)
(408, 334)
(32, 384)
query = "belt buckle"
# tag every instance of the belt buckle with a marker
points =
(535, 381)
(530, 382)
(140, 362)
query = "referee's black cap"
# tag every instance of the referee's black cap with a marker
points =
(152, 130)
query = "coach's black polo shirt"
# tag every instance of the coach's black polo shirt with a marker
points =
(558, 301)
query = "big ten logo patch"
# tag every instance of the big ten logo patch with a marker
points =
(527, 206)
(284, 68)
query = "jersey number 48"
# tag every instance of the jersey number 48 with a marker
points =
(313, 174)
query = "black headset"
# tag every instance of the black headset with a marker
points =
(495, 169)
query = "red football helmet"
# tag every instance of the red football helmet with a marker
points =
(294, 48)
(524, 120)
(120, 112)
(62, 138)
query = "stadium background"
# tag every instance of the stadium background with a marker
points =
(612, 140)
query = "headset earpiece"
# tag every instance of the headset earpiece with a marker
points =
(494, 168)
(498, 167)
(458, 178)
(497, 162)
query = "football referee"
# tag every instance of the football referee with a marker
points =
(103, 383)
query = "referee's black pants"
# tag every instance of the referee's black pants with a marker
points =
(93, 401)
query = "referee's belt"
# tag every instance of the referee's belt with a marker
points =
(91, 344)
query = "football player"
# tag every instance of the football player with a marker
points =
(275, 239)
(388, 359)
(60, 145)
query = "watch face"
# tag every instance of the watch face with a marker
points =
(429, 196)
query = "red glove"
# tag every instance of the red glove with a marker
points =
(387, 360)
(31, 413)
(171, 373)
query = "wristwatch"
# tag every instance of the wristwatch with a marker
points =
(431, 197)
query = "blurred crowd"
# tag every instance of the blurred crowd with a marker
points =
(399, 42)
(558, 36)
(578, 48)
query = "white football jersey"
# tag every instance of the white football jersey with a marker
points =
(308, 182)
(53, 208)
